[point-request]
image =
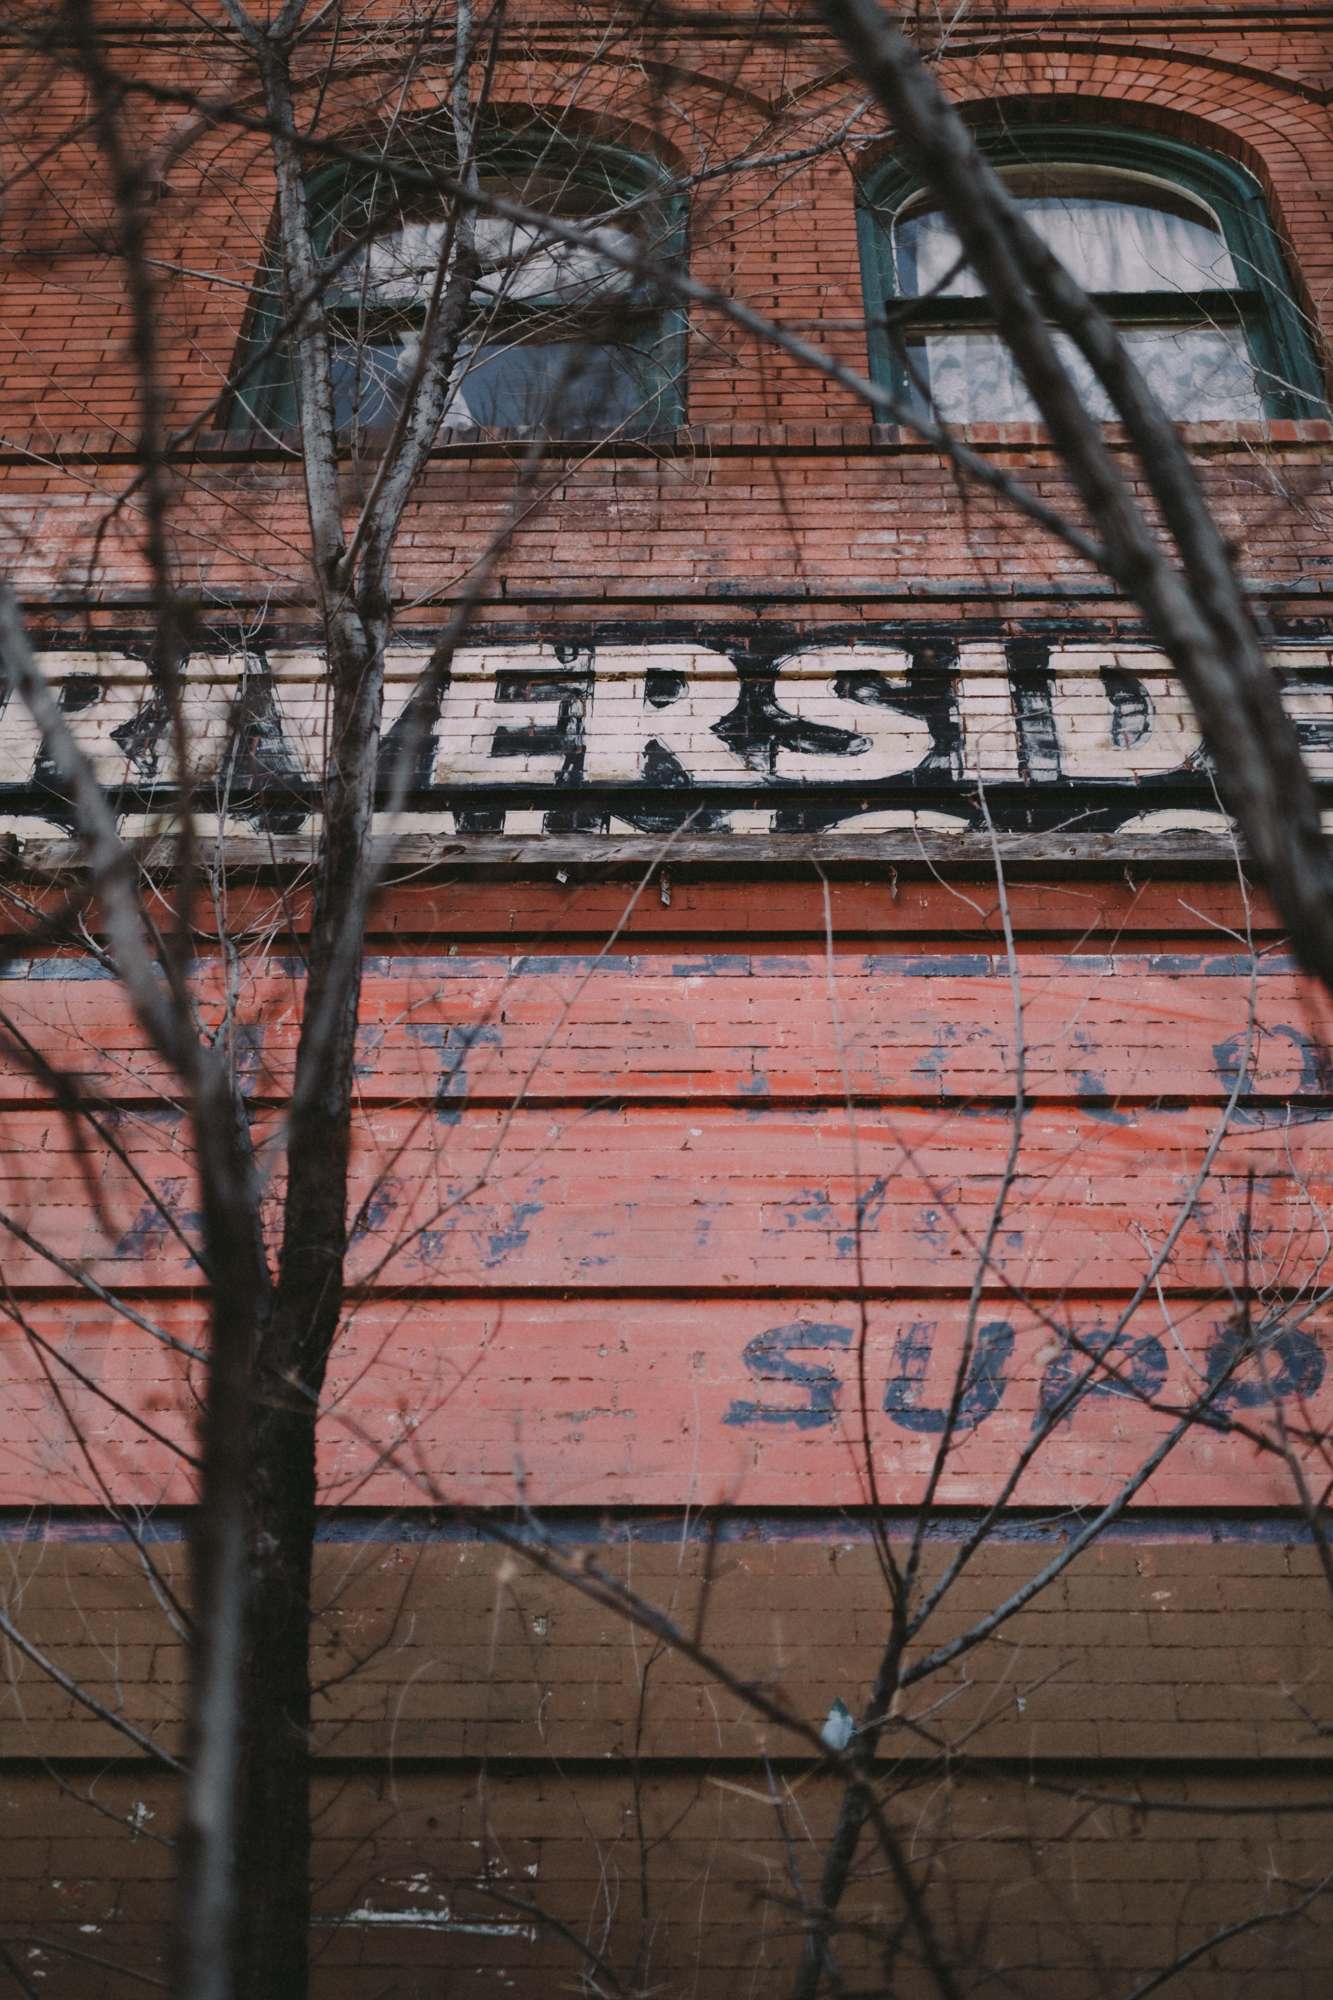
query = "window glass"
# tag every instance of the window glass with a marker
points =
(1194, 372)
(561, 336)
(509, 384)
(1175, 244)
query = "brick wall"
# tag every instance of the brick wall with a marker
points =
(775, 480)
(772, 1102)
(1130, 1769)
(604, 1358)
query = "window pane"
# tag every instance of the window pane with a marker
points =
(553, 328)
(523, 264)
(397, 267)
(520, 263)
(573, 385)
(1114, 232)
(578, 385)
(370, 377)
(1199, 373)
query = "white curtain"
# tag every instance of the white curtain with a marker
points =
(519, 263)
(1109, 246)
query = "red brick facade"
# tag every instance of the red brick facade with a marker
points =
(677, 1159)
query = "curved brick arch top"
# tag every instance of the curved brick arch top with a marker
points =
(654, 106)
(1272, 124)
(1070, 52)
(1263, 122)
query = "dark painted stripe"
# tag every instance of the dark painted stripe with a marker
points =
(581, 1526)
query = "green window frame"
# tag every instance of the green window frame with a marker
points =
(264, 395)
(1287, 372)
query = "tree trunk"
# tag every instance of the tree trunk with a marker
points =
(274, 1849)
(273, 1862)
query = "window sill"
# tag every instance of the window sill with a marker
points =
(281, 441)
(698, 442)
(701, 439)
(1217, 435)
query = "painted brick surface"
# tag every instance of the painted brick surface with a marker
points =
(785, 1126)
(666, 1402)
(697, 1212)
(431, 1877)
(606, 1199)
(1157, 1647)
(676, 1020)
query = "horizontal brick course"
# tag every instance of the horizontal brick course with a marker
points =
(467, 1651)
(1086, 1895)
(599, 1343)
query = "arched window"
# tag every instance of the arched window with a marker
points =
(561, 339)
(1175, 245)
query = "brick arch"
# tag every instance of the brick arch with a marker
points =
(590, 125)
(602, 116)
(1240, 122)
(1119, 52)
(1106, 108)
(645, 127)
(586, 124)
(1241, 125)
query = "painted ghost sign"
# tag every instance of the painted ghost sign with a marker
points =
(847, 727)
(643, 1402)
(617, 1228)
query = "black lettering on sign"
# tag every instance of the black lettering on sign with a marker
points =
(1032, 692)
(1313, 733)
(562, 736)
(78, 691)
(930, 696)
(983, 1390)
(1130, 705)
(771, 1357)
(260, 777)
(416, 729)
(759, 726)
(1135, 1368)
(1274, 1365)
(1277, 1365)
(864, 724)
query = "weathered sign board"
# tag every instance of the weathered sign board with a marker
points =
(695, 1218)
(675, 1402)
(720, 732)
(672, 1224)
